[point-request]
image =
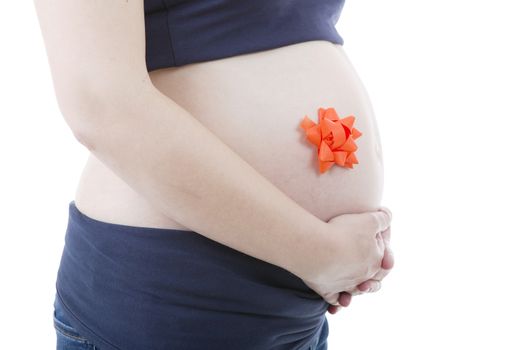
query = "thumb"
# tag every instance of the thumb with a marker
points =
(379, 220)
(387, 211)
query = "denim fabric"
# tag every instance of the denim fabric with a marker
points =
(322, 341)
(68, 338)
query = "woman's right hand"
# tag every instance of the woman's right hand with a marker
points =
(373, 284)
(359, 255)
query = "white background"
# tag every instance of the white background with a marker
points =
(447, 82)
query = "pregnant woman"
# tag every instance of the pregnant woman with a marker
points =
(232, 191)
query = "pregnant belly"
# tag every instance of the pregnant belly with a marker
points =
(254, 103)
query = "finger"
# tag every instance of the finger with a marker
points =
(345, 298)
(388, 258)
(386, 265)
(387, 211)
(366, 286)
(370, 286)
(381, 274)
(386, 234)
(375, 287)
(381, 242)
(356, 292)
(381, 221)
(333, 309)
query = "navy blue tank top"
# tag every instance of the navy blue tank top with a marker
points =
(180, 32)
(143, 288)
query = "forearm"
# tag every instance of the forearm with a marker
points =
(190, 175)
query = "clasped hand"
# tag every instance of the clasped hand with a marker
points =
(364, 259)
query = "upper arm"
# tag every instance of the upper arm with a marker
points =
(95, 48)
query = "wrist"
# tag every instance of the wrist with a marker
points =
(318, 253)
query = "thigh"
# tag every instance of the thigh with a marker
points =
(68, 338)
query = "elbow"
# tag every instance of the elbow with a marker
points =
(82, 137)
(90, 111)
(79, 105)
(80, 115)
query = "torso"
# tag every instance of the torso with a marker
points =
(254, 103)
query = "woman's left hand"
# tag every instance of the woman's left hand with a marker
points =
(371, 285)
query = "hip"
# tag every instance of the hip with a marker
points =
(127, 287)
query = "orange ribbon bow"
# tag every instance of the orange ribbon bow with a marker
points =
(333, 137)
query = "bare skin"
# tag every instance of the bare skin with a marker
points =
(252, 102)
(374, 283)
(248, 100)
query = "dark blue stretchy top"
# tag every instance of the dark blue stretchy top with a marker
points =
(180, 32)
(134, 288)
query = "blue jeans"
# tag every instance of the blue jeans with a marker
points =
(322, 341)
(68, 338)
